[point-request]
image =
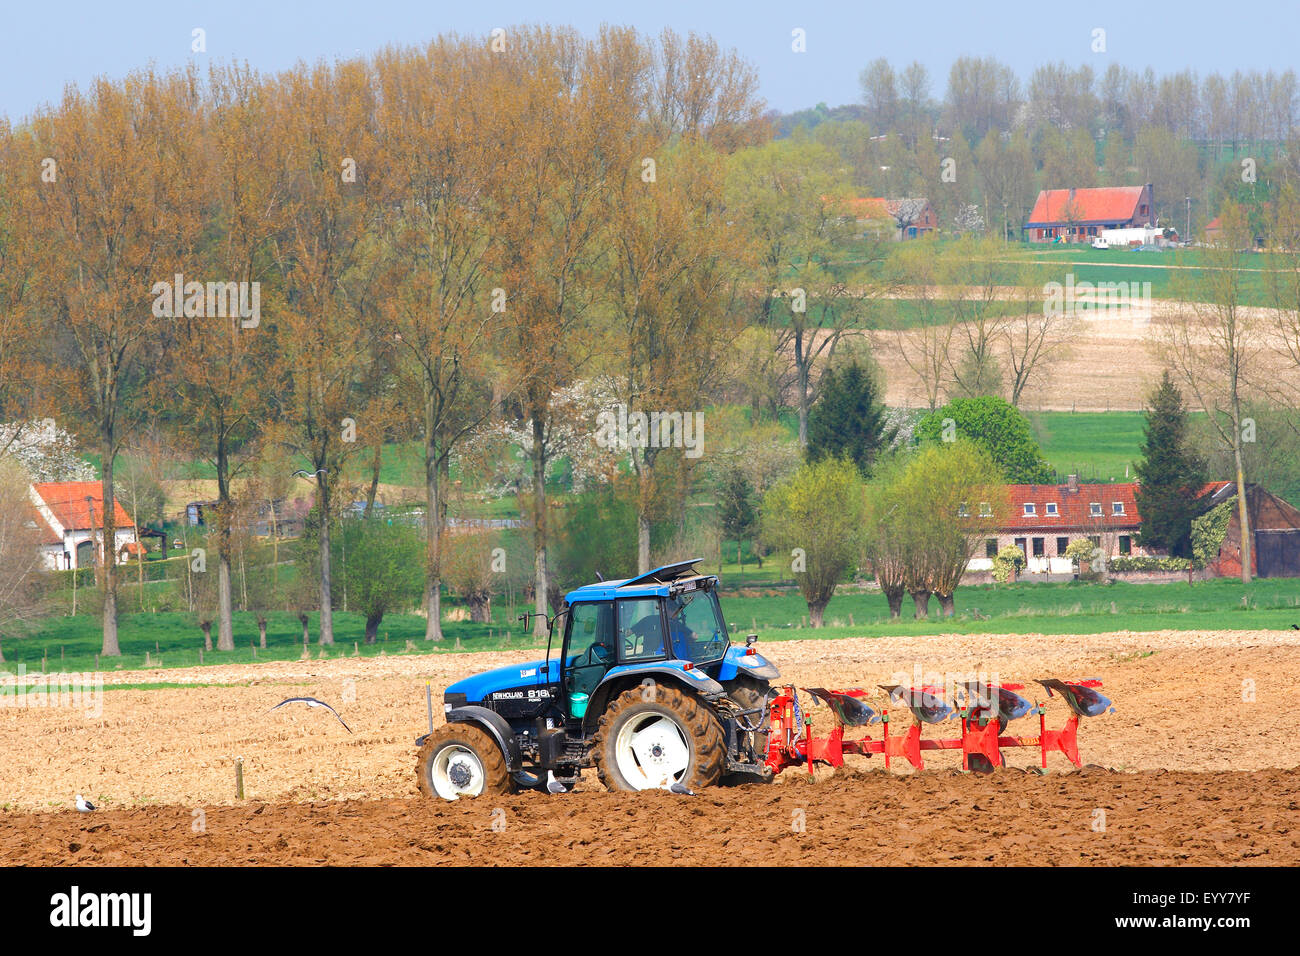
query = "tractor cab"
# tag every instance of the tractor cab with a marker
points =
(669, 616)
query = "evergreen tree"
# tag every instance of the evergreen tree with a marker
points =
(737, 512)
(1170, 473)
(848, 421)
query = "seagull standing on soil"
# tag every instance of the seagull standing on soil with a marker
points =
(678, 787)
(553, 785)
(312, 702)
(84, 805)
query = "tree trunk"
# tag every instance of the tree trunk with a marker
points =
(480, 609)
(1243, 510)
(947, 604)
(432, 526)
(801, 373)
(539, 524)
(302, 619)
(642, 542)
(895, 599)
(372, 626)
(206, 628)
(922, 601)
(816, 612)
(261, 630)
(375, 464)
(326, 601)
(225, 625)
(110, 648)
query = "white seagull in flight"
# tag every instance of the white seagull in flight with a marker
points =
(312, 702)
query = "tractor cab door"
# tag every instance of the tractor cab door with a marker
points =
(589, 652)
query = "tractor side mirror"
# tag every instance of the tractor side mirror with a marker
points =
(751, 640)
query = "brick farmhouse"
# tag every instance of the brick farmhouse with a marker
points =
(1042, 520)
(1079, 215)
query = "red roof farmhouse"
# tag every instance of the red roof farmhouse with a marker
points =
(1043, 520)
(1077, 215)
(65, 514)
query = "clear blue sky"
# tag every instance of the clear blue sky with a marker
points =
(44, 46)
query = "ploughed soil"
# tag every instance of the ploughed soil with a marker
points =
(1197, 764)
(852, 817)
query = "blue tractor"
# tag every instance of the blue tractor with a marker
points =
(648, 689)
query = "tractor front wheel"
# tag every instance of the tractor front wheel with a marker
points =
(461, 760)
(655, 736)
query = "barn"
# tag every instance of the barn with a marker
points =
(1275, 532)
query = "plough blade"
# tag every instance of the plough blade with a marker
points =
(1079, 697)
(1008, 704)
(848, 709)
(924, 704)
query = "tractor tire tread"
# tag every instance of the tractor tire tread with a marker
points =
(699, 721)
(496, 777)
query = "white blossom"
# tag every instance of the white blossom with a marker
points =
(45, 451)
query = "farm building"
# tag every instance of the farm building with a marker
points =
(1275, 532)
(1043, 519)
(1079, 215)
(906, 218)
(70, 518)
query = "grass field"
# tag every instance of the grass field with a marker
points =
(1124, 265)
(173, 640)
(1097, 446)
(1160, 268)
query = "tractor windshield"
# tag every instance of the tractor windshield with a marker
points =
(696, 627)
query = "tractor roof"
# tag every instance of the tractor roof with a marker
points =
(657, 582)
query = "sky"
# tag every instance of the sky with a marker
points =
(44, 47)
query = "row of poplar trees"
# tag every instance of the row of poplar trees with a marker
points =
(438, 235)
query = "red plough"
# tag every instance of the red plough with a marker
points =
(983, 710)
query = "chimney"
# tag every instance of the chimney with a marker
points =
(1074, 484)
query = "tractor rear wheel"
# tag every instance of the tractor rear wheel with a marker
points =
(461, 760)
(655, 736)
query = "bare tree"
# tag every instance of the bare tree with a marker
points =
(1036, 335)
(925, 344)
(113, 223)
(1284, 297)
(1212, 344)
(20, 558)
(973, 270)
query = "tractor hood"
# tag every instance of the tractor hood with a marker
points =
(478, 688)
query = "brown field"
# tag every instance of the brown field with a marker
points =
(1192, 772)
(1108, 364)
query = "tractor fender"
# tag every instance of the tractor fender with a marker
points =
(737, 662)
(632, 674)
(494, 724)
